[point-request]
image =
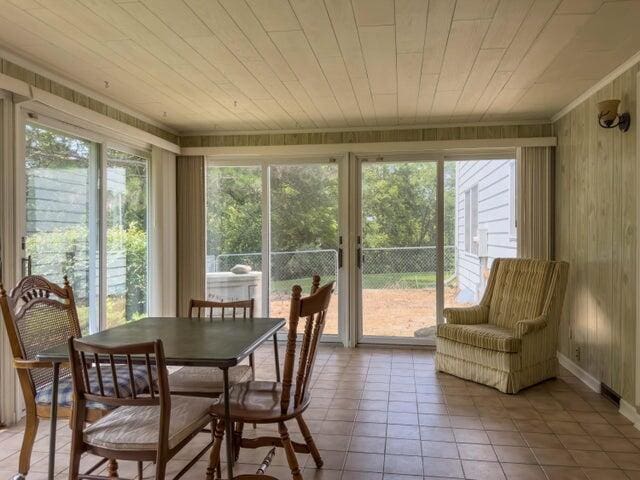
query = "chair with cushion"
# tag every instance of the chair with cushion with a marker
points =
(151, 427)
(508, 341)
(278, 402)
(40, 315)
(208, 381)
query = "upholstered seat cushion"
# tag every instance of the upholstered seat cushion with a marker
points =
(258, 402)
(65, 385)
(136, 428)
(483, 335)
(206, 379)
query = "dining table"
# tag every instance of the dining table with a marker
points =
(200, 342)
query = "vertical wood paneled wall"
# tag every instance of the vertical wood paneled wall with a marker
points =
(191, 226)
(596, 231)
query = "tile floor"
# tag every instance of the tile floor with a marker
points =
(385, 414)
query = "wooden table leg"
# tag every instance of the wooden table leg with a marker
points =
(53, 420)
(229, 424)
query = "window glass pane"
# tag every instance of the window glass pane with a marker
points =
(127, 239)
(399, 227)
(479, 204)
(304, 234)
(234, 234)
(61, 214)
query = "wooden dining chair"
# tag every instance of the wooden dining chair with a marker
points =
(149, 427)
(40, 315)
(208, 381)
(275, 402)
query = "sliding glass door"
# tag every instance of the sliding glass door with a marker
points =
(304, 226)
(402, 236)
(273, 224)
(96, 237)
(234, 234)
(428, 229)
(61, 235)
(398, 255)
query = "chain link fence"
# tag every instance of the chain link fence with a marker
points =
(385, 268)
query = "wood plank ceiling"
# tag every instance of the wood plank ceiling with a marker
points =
(202, 65)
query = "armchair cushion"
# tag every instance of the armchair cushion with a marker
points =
(483, 335)
(65, 385)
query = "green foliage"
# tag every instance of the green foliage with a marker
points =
(64, 252)
(399, 207)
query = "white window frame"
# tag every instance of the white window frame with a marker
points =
(471, 220)
(513, 198)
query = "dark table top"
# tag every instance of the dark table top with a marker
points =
(187, 341)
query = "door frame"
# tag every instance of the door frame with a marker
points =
(265, 162)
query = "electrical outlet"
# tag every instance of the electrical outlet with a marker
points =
(578, 353)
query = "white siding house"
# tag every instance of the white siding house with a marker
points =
(485, 221)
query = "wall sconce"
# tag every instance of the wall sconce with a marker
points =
(608, 114)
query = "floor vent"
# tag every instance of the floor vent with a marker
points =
(609, 394)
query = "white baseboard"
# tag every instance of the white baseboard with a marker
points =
(629, 411)
(589, 380)
(626, 409)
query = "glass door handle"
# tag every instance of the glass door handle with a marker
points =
(359, 257)
(26, 266)
(340, 258)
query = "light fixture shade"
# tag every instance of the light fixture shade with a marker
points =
(608, 111)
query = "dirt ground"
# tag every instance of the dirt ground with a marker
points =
(387, 312)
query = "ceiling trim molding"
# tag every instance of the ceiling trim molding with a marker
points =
(408, 126)
(45, 72)
(383, 147)
(78, 112)
(619, 70)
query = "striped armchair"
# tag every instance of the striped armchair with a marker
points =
(509, 340)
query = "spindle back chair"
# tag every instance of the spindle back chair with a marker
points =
(38, 315)
(154, 407)
(278, 402)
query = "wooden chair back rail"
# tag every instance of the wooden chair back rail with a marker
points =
(314, 309)
(151, 352)
(202, 306)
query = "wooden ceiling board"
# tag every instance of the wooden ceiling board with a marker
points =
(464, 43)
(506, 23)
(274, 15)
(475, 9)
(292, 64)
(437, 34)
(379, 49)
(251, 27)
(483, 69)
(411, 25)
(538, 15)
(373, 12)
(409, 73)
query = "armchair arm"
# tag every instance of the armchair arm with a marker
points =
(467, 315)
(21, 364)
(524, 327)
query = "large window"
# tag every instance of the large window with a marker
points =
(127, 239)
(270, 227)
(64, 231)
(234, 234)
(480, 201)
